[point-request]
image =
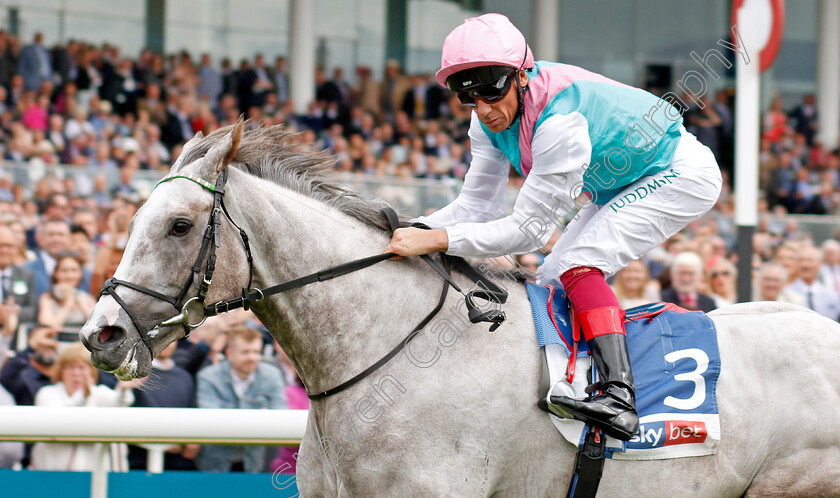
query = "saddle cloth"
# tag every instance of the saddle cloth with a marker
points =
(676, 364)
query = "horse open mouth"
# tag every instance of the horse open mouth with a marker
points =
(128, 369)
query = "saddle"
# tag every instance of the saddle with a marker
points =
(676, 364)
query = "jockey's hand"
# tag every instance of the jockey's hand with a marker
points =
(415, 241)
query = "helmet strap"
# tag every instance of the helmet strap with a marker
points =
(520, 96)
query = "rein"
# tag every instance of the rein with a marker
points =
(485, 288)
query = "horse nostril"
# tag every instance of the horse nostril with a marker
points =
(107, 335)
(86, 343)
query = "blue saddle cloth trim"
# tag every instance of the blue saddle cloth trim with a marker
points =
(546, 331)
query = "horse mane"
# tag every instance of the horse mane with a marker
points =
(270, 153)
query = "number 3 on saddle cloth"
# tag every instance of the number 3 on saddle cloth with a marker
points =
(674, 353)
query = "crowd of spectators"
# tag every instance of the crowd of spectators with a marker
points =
(799, 174)
(107, 116)
(101, 112)
(697, 270)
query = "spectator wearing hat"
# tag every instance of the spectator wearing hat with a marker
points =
(36, 115)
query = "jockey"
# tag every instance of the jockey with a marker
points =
(614, 157)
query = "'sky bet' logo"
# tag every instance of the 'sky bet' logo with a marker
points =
(670, 432)
(684, 431)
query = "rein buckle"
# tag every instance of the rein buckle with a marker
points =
(218, 311)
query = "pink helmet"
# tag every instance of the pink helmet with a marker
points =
(488, 40)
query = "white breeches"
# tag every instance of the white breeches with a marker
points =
(643, 216)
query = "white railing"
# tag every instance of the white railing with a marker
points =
(154, 428)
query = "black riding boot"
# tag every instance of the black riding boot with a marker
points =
(614, 410)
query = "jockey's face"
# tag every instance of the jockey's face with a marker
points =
(498, 116)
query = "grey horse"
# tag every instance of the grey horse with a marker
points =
(455, 413)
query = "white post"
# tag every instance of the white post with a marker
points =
(301, 54)
(99, 476)
(155, 456)
(747, 130)
(546, 29)
(828, 73)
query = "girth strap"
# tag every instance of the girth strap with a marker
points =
(589, 466)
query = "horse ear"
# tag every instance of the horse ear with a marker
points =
(186, 148)
(221, 154)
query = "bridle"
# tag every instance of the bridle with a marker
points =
(485, 289)
(210, 242)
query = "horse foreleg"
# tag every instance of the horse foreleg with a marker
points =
(315, 474)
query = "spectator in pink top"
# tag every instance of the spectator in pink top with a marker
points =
(36, 114)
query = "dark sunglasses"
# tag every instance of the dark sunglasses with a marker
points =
(724, 273)
(491, 93)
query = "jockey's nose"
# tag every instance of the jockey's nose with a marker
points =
(482, 108)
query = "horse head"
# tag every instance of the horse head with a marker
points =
(157, 279)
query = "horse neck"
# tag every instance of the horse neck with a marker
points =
(334, 329)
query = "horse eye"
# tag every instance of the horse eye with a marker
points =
(181, 228)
